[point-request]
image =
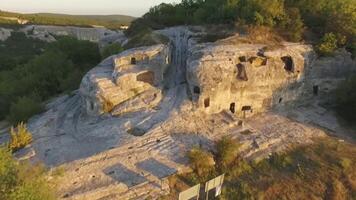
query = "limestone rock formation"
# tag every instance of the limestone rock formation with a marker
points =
(245, 78)
(5, 33)
(134, 81)
(101, 35)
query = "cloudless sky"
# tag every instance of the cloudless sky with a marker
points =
(126, 7)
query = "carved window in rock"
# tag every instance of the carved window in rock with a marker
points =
(196, 90)
(241, 72)
(246, 108)
(147, 77)
(206, 102)
(232, 107)
(316, 90)
(133, 61)
(288, 63)
(91, 105)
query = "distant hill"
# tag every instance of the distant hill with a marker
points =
(109, 21)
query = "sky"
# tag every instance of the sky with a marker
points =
(98, 7)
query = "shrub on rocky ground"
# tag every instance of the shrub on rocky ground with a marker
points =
(201, 161)
(19, 137)
(227, 151)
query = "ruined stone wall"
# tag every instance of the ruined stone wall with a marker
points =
(244, 78)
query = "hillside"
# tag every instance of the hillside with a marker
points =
(109, 21)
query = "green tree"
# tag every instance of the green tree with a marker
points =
(112, 49)
(328, 44)
(23, 109)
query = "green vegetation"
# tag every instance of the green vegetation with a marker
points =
(111, 49)
(323, 170)
(19, 137)
(18, 49)
(146, 38)
(32, 72)
(22, 181)
(108, 21)
(291, 19)
(345, 99)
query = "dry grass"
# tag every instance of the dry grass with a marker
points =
(323, 170)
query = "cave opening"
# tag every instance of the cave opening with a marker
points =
(196, 90)
(316, 90)
(280, 100)
(206, 102)
(242, 58)
(288, 63)
(133, 61)
(232, 107)
(147, 77)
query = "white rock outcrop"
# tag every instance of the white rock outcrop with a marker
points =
(101, 35)
(133, 82)
(5, 33)
(245, 78)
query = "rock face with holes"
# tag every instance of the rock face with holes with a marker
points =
(132, 82)
(246, 78)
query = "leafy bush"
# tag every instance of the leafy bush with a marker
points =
(8, 173)
(19, 137)
(23, 109)
(289, 18)
(202, 162)
(227, 152)
(22, 181)
(111, 49)
(58, 68)
(328, 45)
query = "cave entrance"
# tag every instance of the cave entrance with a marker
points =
(315, 90)
(246, 109)
(133, 61)
(206, 102)
(147, 77)
(196, 90)
(242, 58)
(280, 100)
(241, 72)
(288, 63)
(232, 107)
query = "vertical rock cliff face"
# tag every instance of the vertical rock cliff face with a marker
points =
(246, 79)
(325, 73)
